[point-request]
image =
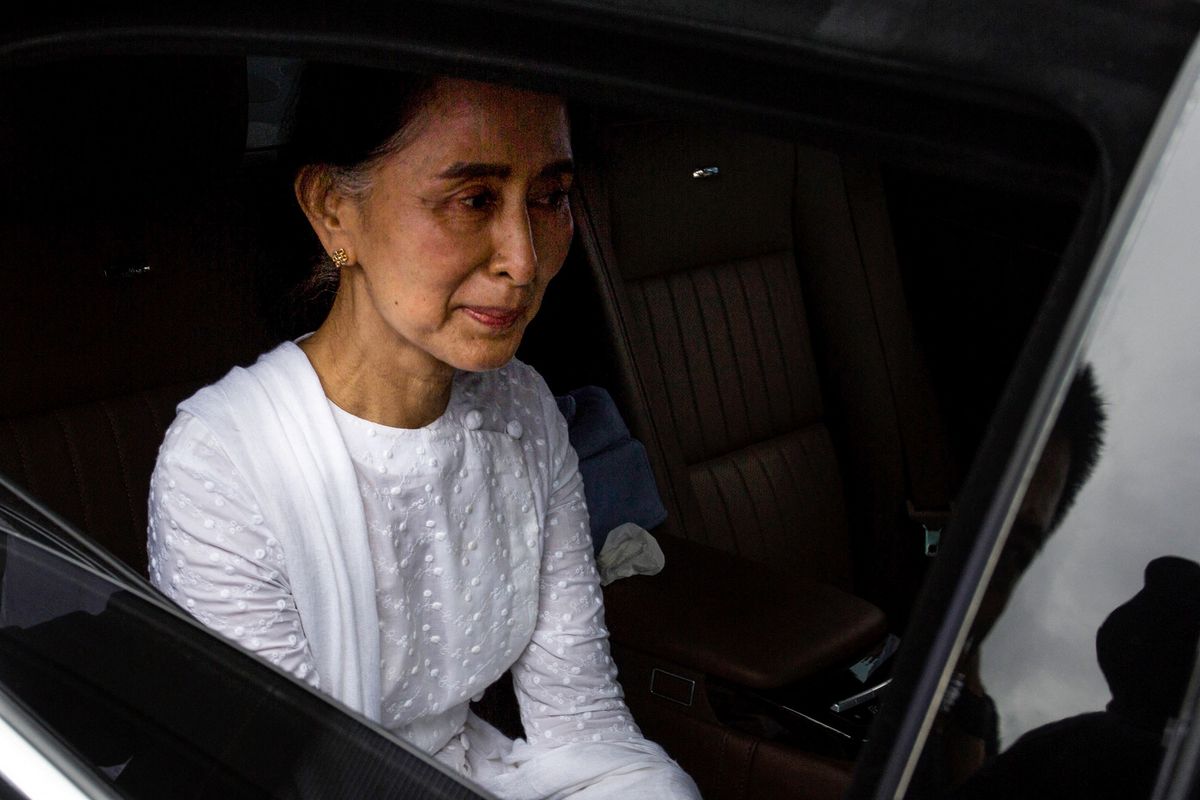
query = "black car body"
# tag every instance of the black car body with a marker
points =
(1026, 169)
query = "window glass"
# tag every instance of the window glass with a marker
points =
(1079, 657)
(162, 709)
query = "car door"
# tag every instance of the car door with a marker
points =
(106, 688)
(1059, 659)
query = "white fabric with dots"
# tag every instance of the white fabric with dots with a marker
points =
(481, 561)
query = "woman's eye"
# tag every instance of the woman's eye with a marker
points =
(479, 201)
(554, 199)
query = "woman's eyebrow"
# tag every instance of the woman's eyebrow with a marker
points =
(465, 170)
(474, 169)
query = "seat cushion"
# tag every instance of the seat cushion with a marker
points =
(723, 617)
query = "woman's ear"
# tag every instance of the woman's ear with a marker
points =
(329, 211)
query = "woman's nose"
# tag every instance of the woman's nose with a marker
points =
(515, 254)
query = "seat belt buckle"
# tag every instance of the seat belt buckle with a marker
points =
(932, 522)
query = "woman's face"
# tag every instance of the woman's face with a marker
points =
(452, 247)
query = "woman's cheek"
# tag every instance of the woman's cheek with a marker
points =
(463, 243)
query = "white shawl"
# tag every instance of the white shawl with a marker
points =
(274, 422)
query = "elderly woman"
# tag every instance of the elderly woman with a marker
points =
(389, 508)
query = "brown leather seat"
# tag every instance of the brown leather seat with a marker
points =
(737, 271)
(129, 286)
(753, 357)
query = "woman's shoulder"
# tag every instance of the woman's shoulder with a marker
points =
(284, 369)
(280, 384)
(217, 423)
(191, 447)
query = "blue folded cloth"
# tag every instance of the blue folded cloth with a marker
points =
(617, 480)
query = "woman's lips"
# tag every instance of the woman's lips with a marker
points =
(494, 318)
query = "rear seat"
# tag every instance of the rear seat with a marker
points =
(776, 439)
(737, 271)
(130, 287)
(716, 325)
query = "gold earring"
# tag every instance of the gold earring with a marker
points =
(340, 259)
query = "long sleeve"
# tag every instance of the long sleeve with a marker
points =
(213, 554)
(566, 681)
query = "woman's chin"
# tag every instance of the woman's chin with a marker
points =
(485, 359)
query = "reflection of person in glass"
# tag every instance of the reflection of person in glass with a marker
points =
(1145, 648)
(966, 731)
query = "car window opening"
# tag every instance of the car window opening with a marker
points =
(808, 341)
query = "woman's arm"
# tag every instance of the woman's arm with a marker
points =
(566, 681)
(572, 707)
(212, 552)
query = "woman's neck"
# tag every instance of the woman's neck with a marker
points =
(383, 381)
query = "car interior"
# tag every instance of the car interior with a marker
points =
(806, 331)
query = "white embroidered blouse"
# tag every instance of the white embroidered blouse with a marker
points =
(482, 559)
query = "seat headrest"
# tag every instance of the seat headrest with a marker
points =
(688, 196)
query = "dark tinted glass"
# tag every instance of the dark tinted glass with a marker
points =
(163, 709)
(1077, 662)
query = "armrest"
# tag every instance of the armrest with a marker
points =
(736, 620)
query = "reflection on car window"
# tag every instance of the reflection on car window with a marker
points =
(1027, 712)
(1080, 655)
(161, 709)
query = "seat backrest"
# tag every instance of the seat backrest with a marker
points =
(711, 273)
(132, 287)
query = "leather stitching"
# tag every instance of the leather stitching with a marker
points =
(737, 361)
(748, 768)
(722, 761)
(73, 451)
(780, 528)
(764, 543)
(26, 464)
(730, 523)
(126, 478)
(658, 353)
(712, 361)
(783, 351)
(757, 347)
(691, 384)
